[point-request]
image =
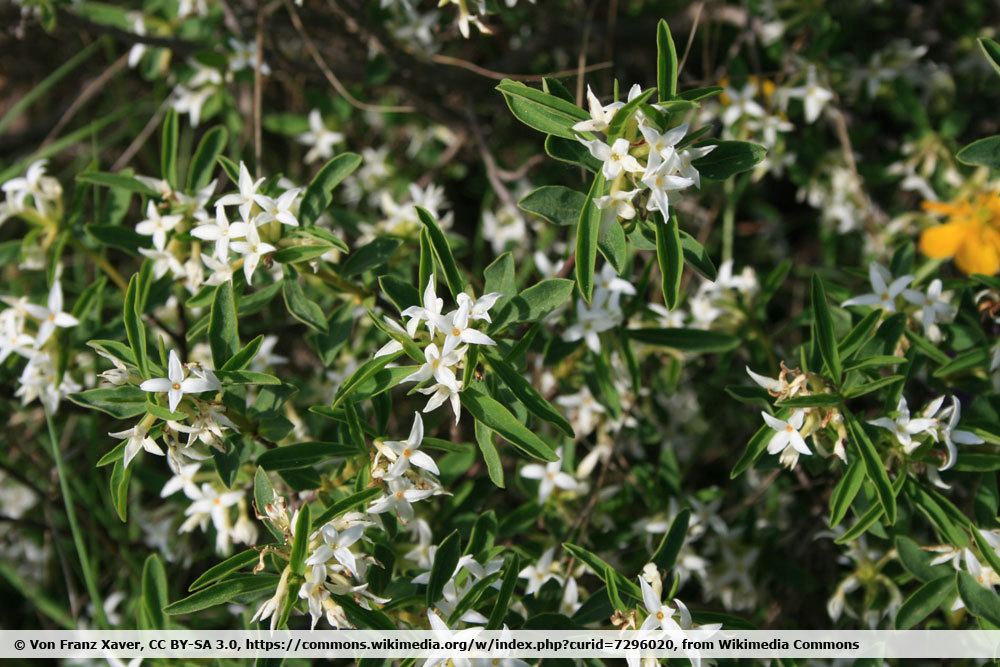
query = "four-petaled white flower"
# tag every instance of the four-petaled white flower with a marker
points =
(787, 433)
(884, 289)
(137, 438)
(407, 451)
(934, 307)
(279, 209)
(157, 225)
(600, 114)
(540, 572)
(659, 615)
(222, 232)
(457, 329)
(661, 181)
(551, 476)
(252, 249)
(618, 204)
(320, 138)
(401, 494)
(814, 97)
(336, 545)
(247, 195)
(903, 427)
(177, 383)
(50, 315)
(615, 157)
(433, 305)
(950, 435)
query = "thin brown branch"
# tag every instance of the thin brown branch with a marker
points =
(497, 76)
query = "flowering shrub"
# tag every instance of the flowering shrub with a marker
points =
(721, 352)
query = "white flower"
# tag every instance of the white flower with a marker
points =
(437, 365)
(138, 438)
(183, 480)
(336, 545)
(884, 289)
(13, 338)
(480, 308)
(590, 322)
(164, 262)
(950, 435)
(457, 328)
(244, 56)
(138, 49)
(247, 195)
(210, 504)
(401, 494)
(222, 232)
(658, 614)
(615, 157)
(431, 309)
(551, 476)
(407, 451)
(662, 146)
(175, 385)
(43, 189)
(50, 315)
(314, 590)
(440, 393)
(585, 411)
(903, 427)
(279, 209)
(600, 115)
(661, 181)
(814, 97)
(934, 307)
(319, 137)
(787, 433)
(191, 101)
(540, 572)
(221, 271)
(252, 249)
(741, 105)
(618, 204)
(157, 226)
(442, 635)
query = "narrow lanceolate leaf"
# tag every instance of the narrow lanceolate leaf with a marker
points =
(223, 336)
(300, 541)
(982, 602)
(982, 152)
(874, 467)
(365, 371)
(442, 252)
(670, 546)
(304, 454)
(135, 331)
(443, 569)
(300, 306)
(319, 194)
(221, 570)
(670, 257)
(203, 161)
(686, 340)
(554, 203)
(511, 570)
(168, 148)
(244, 356)
(697, 257)
(729, 158)
(991, 49)
(528, 395)
(497, 417)
(350, 502)
(666, 62)
(491, 457)
(533, 303)
(846, 491)
(823, 329)
(121, 181)
(223, 592)
(924, 601)
(540, 110)
(587, 229)
(154, 593)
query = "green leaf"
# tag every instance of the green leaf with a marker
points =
(612, 243)
(670, 546)
(223, 592)
(442, 252)
(120, 477)
(916, 561)
(924, 601)
(571, 151)
(350, 502)
(221, 570)
(365, 371)
(511, 570)
(527, 394)
(869, 387)
(533, 303)
(978, 600)
(846, 490)
(154, 593)
(300, 306)
(246, 377)
(982, 152)
(212, 143)
(991, 49)
(300, 541)
(120, 181)
(587, 230)
(443, 568)
(729, 158)
(134, 328)
(541, 111)
(494, 466)
(401, 293)
(244, 356)
(123, 402)
(319, 194)
(823, 330)
(554, 203)
(602, 569)
(811, 401)
(168, 148)
(666, 62)
(500, 277)
(497, 417)
(223, 336)
(964, 361)
(369, 256)
(686, 340)
(304, 454)
(619, 121)
(669, 253)
(874, 467)
(947, 519)
(696, 255)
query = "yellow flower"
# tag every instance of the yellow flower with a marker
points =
(970, 233)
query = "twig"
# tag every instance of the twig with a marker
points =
(142, 137)
(694, 29)
(490, 163)
(328, 73)
(88, 92)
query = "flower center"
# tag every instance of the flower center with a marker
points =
(456, 332)
(175, 386)
(407, 452)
